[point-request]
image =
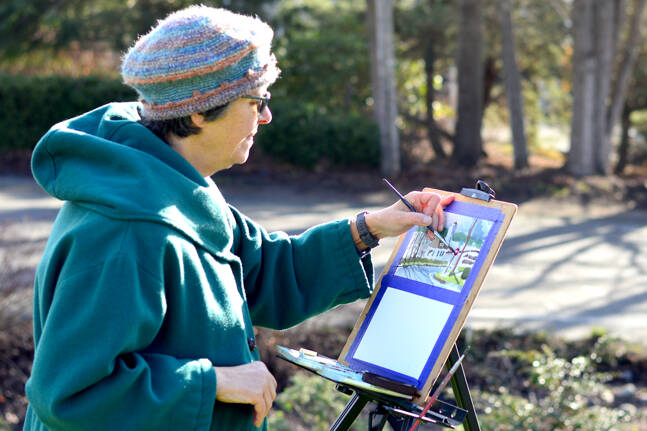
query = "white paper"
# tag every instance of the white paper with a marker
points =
(403, 332)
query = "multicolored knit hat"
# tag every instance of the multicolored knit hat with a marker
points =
(199, 58)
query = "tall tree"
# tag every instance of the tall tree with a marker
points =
(428, 30)
(623, 148)
(580, 159)
(513, 87)
(433, 132)
(605, 34)
(636, 100)
(630, 53)
(423, 29)
(468, 142)
(596, 103)
(380, 15)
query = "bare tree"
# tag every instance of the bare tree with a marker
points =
(468, 143)
(513, 87)
(380, 24)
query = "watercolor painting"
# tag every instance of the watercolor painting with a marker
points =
(427, 260)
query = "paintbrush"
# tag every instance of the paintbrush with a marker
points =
(408, 204)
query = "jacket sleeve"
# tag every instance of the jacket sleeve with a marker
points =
(90, 372)
(288, 279)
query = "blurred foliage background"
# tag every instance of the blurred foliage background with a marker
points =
(323, 51)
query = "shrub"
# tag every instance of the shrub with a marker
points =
(559, 394)
(301, 134)
(304, 135)
(29, 106)
(530, 382)
(309, 403)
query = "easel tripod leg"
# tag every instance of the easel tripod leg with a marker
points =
(462, 392)
(400, 424)
(354, 407)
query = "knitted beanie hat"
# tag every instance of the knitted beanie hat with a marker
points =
(199, 58)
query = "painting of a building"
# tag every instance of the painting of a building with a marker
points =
(428, 260)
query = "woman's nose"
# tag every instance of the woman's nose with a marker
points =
(266, 116)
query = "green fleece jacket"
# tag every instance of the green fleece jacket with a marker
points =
(149, 279)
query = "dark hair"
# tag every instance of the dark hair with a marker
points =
(182, 126)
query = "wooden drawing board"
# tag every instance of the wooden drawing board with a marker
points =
(425, 292)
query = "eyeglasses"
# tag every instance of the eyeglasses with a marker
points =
(264, 102)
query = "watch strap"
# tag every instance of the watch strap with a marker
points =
(364, 234)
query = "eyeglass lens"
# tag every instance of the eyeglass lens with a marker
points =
(262, 105)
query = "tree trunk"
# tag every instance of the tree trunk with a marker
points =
(604, 35)
(490, 77)
(620, 14)
(580, 157)
(432, 129)
(513, 88)
(623, 148)
(380, 24)
(468, 143)
(596, 103)
(629, 56)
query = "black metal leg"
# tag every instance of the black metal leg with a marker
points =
(348, 416)
(400, 424)
(462, 392)
(377, 419)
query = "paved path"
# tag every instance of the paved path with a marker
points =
(563, 269)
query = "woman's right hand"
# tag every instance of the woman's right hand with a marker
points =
(247, 384)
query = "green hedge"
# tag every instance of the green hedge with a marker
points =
(305, 135)
(29, 106)
(300, 134)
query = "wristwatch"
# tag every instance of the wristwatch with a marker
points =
(364, 234)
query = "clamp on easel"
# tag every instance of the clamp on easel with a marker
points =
(480, 191)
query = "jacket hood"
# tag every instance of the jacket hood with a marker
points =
(107, 162)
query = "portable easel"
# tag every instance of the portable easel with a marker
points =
(401, 415)
(431, 308)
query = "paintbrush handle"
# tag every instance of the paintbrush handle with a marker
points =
(402, 198)
(412, 209)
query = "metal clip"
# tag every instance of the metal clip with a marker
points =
(481, 191)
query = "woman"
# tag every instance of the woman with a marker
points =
(150, 283)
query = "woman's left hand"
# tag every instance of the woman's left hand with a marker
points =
(397, 218)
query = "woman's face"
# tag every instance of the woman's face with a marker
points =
(227, 140)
